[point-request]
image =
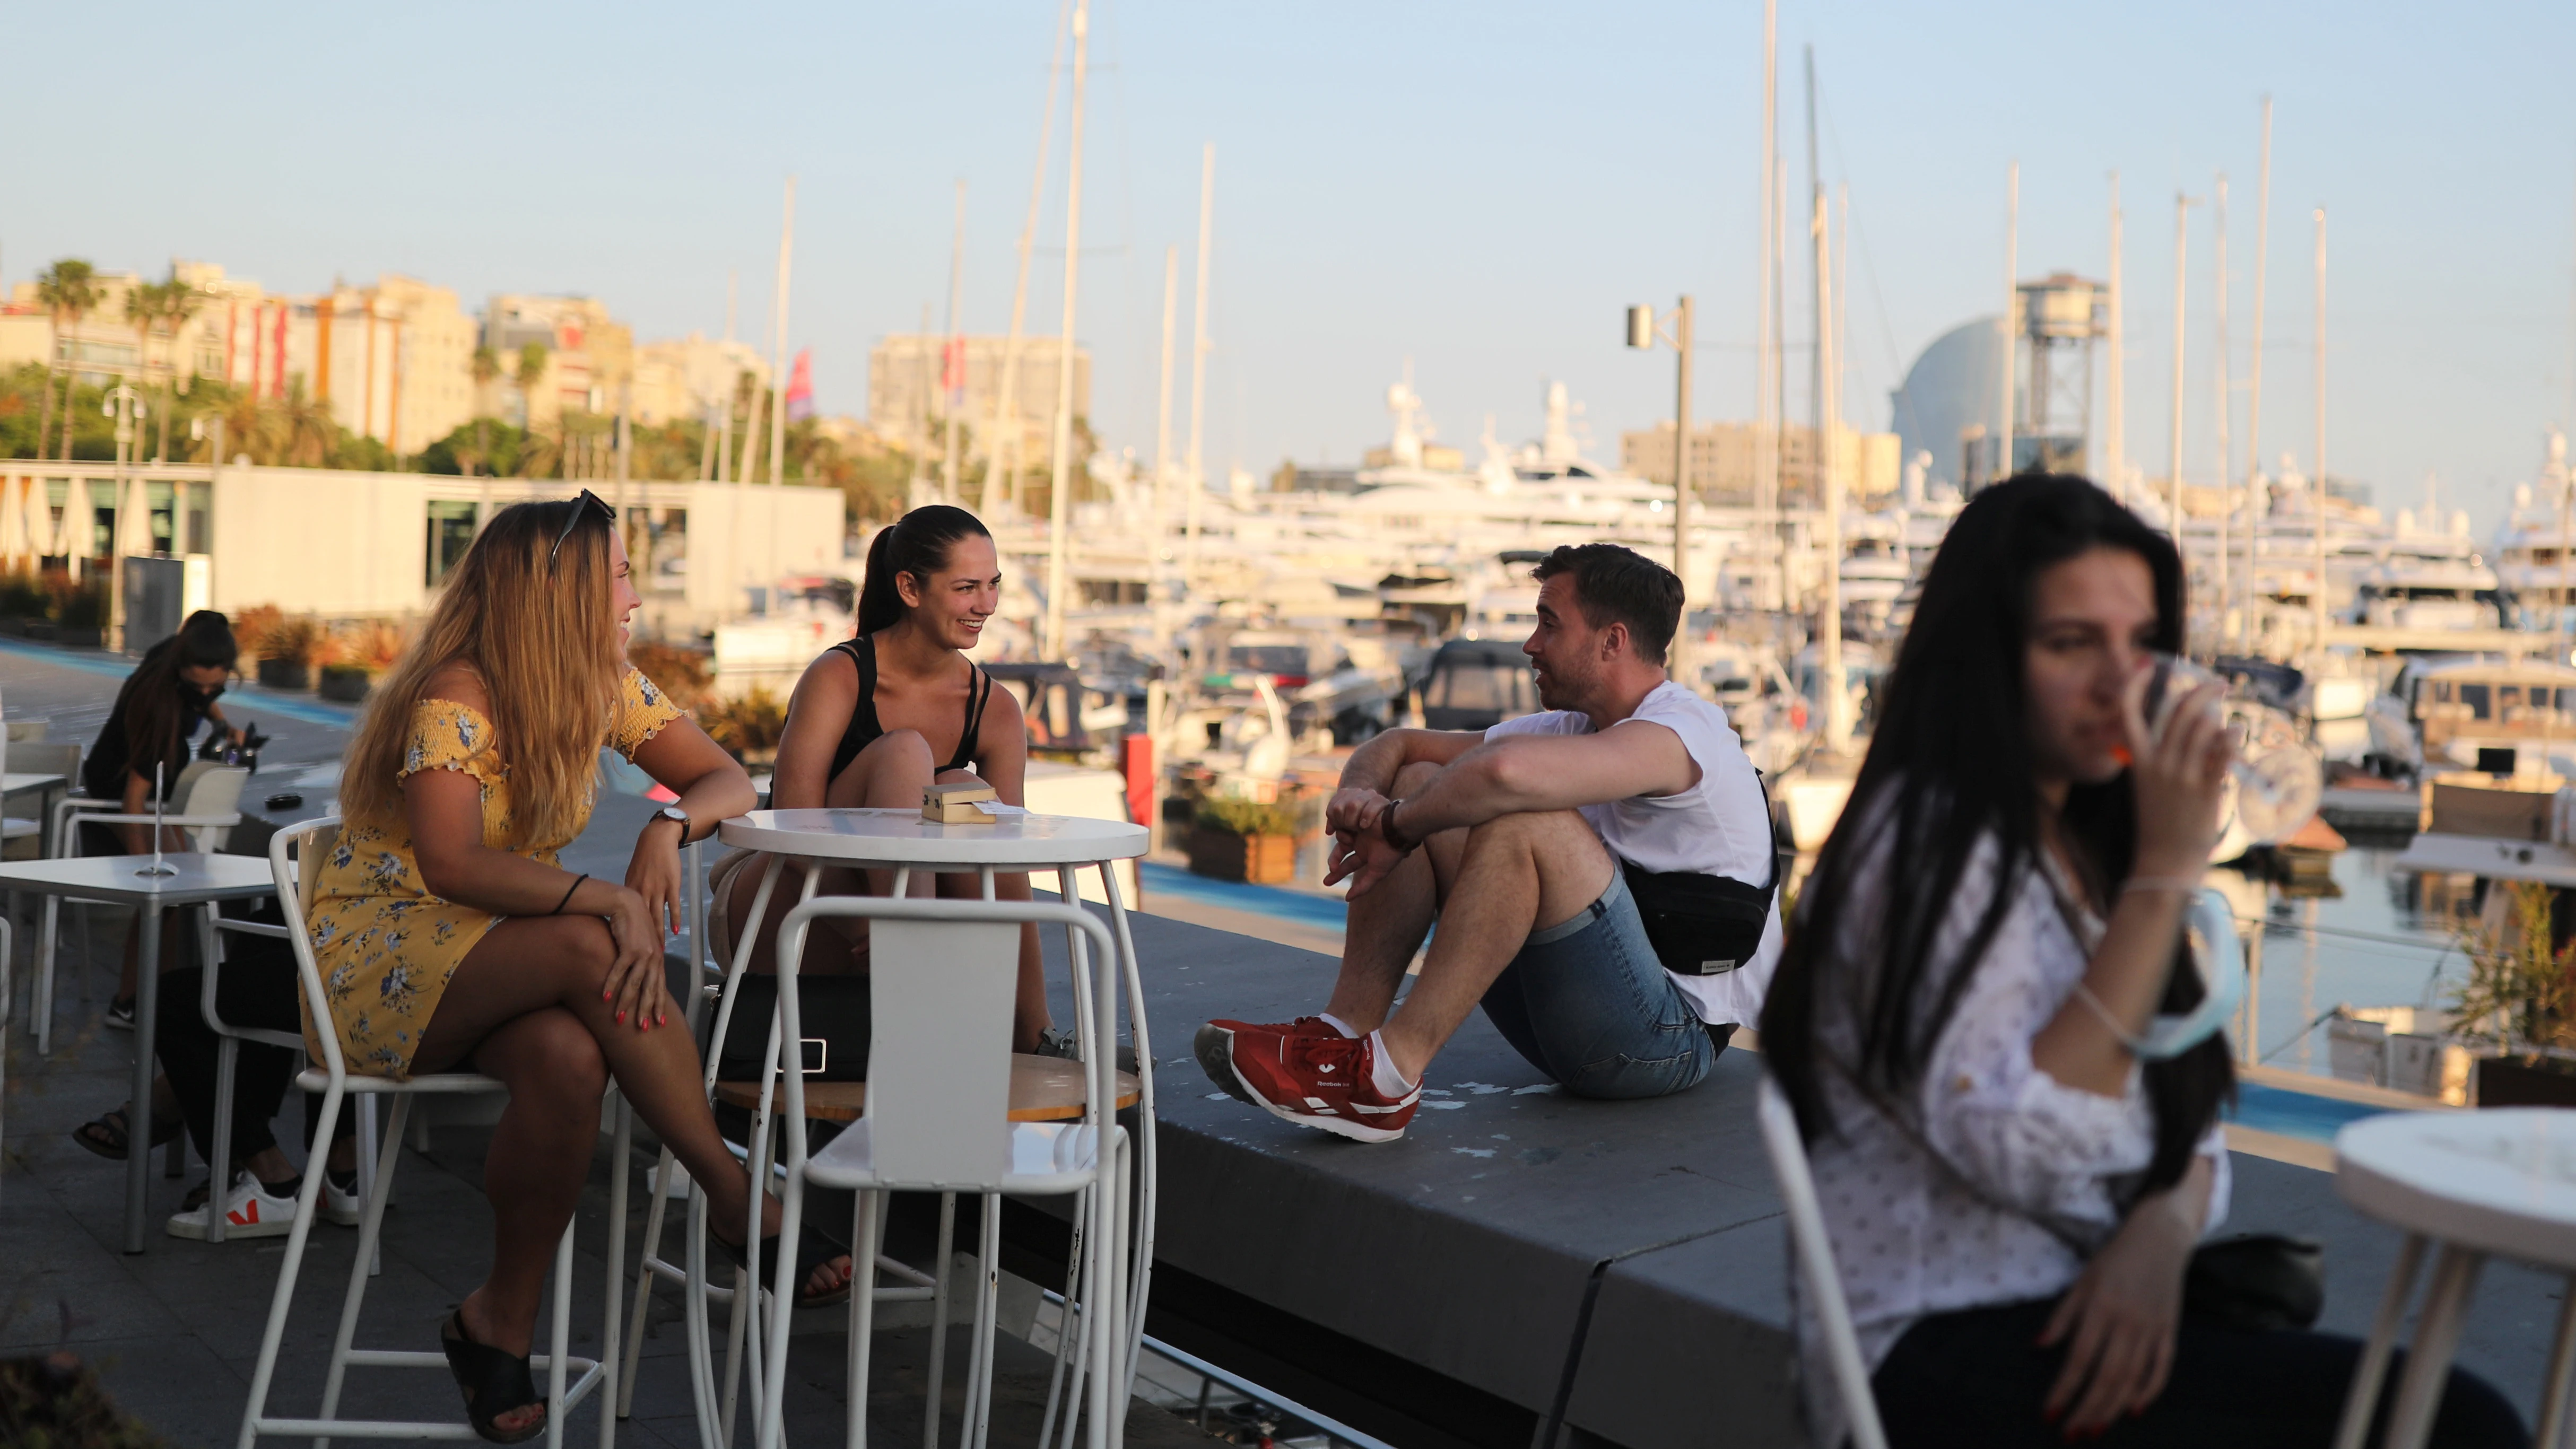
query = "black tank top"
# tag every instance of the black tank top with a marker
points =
(864, 729)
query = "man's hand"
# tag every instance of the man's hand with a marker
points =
(2122, 1314)
(1363, 860)
(1353, 811)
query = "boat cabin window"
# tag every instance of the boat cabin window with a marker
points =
(1282, 659)
(1496, 687)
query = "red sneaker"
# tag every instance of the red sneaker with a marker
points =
(1214, 1048)
(1319, 1081)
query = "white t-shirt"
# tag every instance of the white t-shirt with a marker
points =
(1721, 826)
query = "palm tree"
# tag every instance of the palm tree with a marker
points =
(487, 366)
(68, 290)
(308, 434)
(179, 303)
(142, 309)
(532, 370)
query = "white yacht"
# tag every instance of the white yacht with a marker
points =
(2430, 577)
(2536, 549)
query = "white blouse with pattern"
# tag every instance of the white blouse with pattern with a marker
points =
(2017, 1149)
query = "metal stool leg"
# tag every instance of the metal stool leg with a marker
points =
(2373, 1364)
(265, 1372)
(370, 1224)
(2437, 1339)
(621, 1146)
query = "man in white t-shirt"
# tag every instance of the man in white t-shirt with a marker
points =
(1603, 875)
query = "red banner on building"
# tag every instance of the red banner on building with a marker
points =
(800, 388)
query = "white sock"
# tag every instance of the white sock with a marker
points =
(1382, 1072)
(1337, 1024)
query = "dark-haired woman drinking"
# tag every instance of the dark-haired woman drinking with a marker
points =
(888, 712)
(144, 745)
(2014, 1178)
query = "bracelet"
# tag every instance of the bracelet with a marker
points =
(1387, 832)
(568, 890)
(2162, 884)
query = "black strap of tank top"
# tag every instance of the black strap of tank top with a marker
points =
(979, 688)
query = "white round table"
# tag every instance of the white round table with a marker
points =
(901, 841)
(2477, 1184)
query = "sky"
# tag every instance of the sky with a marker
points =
(1474, 190)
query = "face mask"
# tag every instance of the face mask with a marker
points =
(2212, 928)
(203, 693)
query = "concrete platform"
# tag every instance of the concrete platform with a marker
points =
(1521, 1257)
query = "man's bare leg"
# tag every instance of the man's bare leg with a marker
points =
(1522, 873)
(1386, 925)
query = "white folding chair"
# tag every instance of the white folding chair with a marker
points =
(1822, 1285)
(717, 1406)
(942, 977)
(310, 841)
(207, 800)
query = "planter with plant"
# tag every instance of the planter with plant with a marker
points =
(287, 651)
(2518, 1005)
(358, 656)
(1253, 841)
(80, 614)
(747, 726)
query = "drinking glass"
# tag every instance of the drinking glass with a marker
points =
(2278, 778)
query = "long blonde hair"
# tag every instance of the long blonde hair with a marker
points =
(542, 636)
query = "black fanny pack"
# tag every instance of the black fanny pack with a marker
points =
(1701, 925)
(1704, 925)
(833, 1015)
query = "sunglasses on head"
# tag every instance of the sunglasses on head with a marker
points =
(588, 505)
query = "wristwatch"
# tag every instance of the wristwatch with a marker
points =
(1386, 830)
(674, 812)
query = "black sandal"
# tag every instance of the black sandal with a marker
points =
(114, 1137)
(488, 1378)
(814, 1248)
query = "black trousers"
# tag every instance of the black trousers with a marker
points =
(1978, 1378)
(257, 989)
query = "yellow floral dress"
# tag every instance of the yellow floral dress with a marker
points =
(385, 945)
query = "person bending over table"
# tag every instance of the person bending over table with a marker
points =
(1602, 874)
(156, 713)
(449, 938)
(883, 715)
(2014, 1174)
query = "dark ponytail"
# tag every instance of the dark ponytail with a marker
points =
(918, 544)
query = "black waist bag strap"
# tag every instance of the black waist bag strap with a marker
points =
(1704, 925)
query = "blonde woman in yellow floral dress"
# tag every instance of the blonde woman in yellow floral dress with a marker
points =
(450, 938)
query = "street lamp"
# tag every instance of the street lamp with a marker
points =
(125, 405)
(1644, 329)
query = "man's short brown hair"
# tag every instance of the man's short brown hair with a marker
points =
(1620, 585)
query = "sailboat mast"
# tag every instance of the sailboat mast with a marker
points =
(1002, 460)
(953, 356)
(2012, 311)
(2173, 450)
(778, 344)
(2254, 380)
(2317, 491)
(2115, 441)
(1060, 468)
(2218, 573)
(1826, 489)
(1766, 363)
(1156, 533)
(1200, 346)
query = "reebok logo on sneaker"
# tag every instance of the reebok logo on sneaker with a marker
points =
(1316, 1079)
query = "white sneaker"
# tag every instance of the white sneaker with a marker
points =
(250, 1211)
(340, 1207)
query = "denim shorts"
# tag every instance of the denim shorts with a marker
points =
(1588, 1003)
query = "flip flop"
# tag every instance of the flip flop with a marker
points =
(115, 1133)
(814, 1248)
(493, 1382)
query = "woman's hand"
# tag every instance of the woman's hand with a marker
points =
(2122, 1314)
(635, 984)
(2178, 778)
(654, 874)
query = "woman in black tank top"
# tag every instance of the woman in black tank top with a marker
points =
(900, 707)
